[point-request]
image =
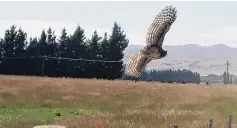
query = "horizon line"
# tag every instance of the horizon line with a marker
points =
(189, 44)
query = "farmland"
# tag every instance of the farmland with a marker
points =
(28, 101)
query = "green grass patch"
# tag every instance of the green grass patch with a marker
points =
(45, 113)
(12, 117)
(223, 105)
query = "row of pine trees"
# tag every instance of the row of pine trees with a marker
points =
(41, 56)
(36, 51)
(179, 76)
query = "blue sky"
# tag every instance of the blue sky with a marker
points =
(203, 23)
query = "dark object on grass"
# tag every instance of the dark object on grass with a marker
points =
(58, 114)
(162, 81)
(3, 106)
(183, 82)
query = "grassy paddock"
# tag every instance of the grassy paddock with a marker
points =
(28, 101)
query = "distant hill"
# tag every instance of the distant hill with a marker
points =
(202, 59)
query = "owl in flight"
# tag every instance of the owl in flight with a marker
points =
(154, 41)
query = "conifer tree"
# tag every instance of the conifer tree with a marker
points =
(64, 51)
(93, 69)
(51, 64)
(78, 49)
(13, 45)
(104, 52)
(117, 44)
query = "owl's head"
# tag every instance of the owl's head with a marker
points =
(154, 52)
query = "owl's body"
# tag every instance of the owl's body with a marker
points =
(154, 40)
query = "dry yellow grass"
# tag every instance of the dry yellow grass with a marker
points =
(114, 104)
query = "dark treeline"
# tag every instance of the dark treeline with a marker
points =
(179, 76)
(109, 48)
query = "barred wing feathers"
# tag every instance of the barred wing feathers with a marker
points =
(160, 26)
(154, 41)
(136, 64)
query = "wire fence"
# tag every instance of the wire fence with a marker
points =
(40, 63)
(60, 58)
(211, 122)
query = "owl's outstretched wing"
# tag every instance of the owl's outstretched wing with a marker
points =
(160, 26)
(154, 41)
(136, 64)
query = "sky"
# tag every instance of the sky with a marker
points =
(203, 23)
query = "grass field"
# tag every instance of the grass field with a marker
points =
(87, 103)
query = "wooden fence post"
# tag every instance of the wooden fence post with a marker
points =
(175, 126)
(210, 123)
(230, 121)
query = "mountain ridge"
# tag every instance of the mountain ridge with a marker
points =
(202, 59)
(214, 45)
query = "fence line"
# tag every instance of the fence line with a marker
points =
(210, 123)
(61, 58)
(43, 58)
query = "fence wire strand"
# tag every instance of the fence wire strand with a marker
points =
(62, 58)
